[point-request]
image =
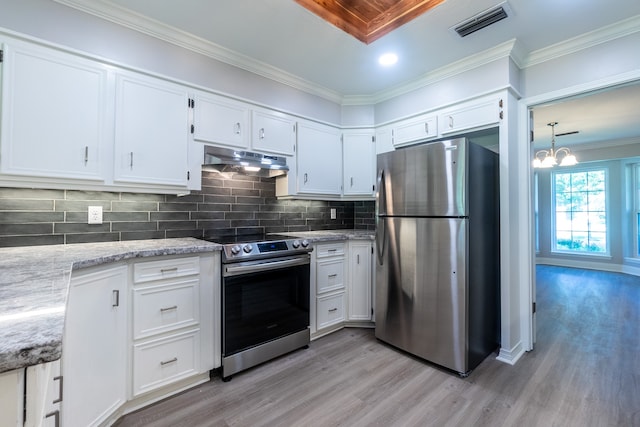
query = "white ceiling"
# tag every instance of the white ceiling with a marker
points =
(283, 37)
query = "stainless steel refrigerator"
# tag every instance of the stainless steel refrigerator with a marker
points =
(438, 255)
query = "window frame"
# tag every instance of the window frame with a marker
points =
(635, 210)
(554, 239)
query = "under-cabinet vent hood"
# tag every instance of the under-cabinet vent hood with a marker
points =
(483, 19)
(244, 162)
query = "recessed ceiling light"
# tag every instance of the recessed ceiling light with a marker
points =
(388, 59)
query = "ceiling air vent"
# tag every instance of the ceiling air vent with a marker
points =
(483, 19)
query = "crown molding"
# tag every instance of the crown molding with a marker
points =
(143, 24)
(109, 11)
(584, 41)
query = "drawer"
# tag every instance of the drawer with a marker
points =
(156, 270)
(158, 309)
(330, 310)
(161, 362)
(329, 249)
(329, 275)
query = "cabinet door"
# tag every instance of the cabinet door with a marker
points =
(152, 129)
(470, 116)
(319, 159)
(11, 398)
(384, 140)
(94, 351)
(54, 108)
(273, 132)
(358, 150)
(416, 129)
(359, 281)
(221, 121)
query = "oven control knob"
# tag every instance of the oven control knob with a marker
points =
(247, 249)
(295, 244)
(235, 250)
(305, 243)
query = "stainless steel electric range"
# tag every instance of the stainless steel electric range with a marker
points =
(265, 299)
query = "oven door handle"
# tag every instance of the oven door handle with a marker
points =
(234, 270)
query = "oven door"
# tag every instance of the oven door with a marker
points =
(263, 300)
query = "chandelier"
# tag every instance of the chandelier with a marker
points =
(549, 158)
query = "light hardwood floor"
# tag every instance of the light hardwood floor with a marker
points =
(584, 371)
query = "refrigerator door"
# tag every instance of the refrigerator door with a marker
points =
(421, 288)
(423, 180)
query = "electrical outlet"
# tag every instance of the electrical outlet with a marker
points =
(94, 215)
(333, 213)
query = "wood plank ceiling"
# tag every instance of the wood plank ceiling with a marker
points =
(368, 20)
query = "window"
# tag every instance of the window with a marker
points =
(580, 212)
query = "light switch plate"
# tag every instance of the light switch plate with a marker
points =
(94, 215)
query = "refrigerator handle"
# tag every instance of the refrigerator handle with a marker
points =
(380, 230)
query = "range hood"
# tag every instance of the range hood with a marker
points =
(244, 162)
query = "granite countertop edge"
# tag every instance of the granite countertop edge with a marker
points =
(34, 287)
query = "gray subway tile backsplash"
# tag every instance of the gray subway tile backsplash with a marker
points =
(239, 205)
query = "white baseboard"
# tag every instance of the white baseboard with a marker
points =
(511, 356)
(590, 265)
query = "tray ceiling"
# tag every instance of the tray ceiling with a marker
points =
(368, 20)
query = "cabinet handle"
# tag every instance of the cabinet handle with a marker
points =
(60, 388)
(306, 178)
(166, 362)
(333, 275)
(358, 259)
(332, 250)
(426, 128)
(237, 128)
(451, 122)
(261, 133)
(86, 155)
(333, 309)
(352, 181)
(168, 270)
(55, 414)
(173, 307)
(131, 160)
(115, 298)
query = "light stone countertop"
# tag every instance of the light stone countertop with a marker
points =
(332, 235)
(34, 283)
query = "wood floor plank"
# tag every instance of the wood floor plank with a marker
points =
(584, 371)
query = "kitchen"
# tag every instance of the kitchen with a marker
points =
(101, 41)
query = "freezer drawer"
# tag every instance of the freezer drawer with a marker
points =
(421, 288)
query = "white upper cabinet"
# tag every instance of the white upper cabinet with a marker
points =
(151, 131)
(384, 139)
(221, 121)
(470, 115)
(54, 107)
(416, 129)
(319, 159)
(273, 132)
(359, 156)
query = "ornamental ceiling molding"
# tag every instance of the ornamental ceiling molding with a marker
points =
(137, 22)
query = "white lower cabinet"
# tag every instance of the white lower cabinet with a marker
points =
(134, 333)
(359, 285)
(94, 357)
(12, 398)
(328, 274)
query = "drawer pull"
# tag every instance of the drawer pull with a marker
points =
(60, 388)
(333, 275)
(168, 270)
(331, 310)
(166, 362)
(173, 307)
(56, 415)
(332, 250)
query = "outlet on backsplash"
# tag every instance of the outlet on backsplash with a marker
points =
(333, 213)
(94, 215)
